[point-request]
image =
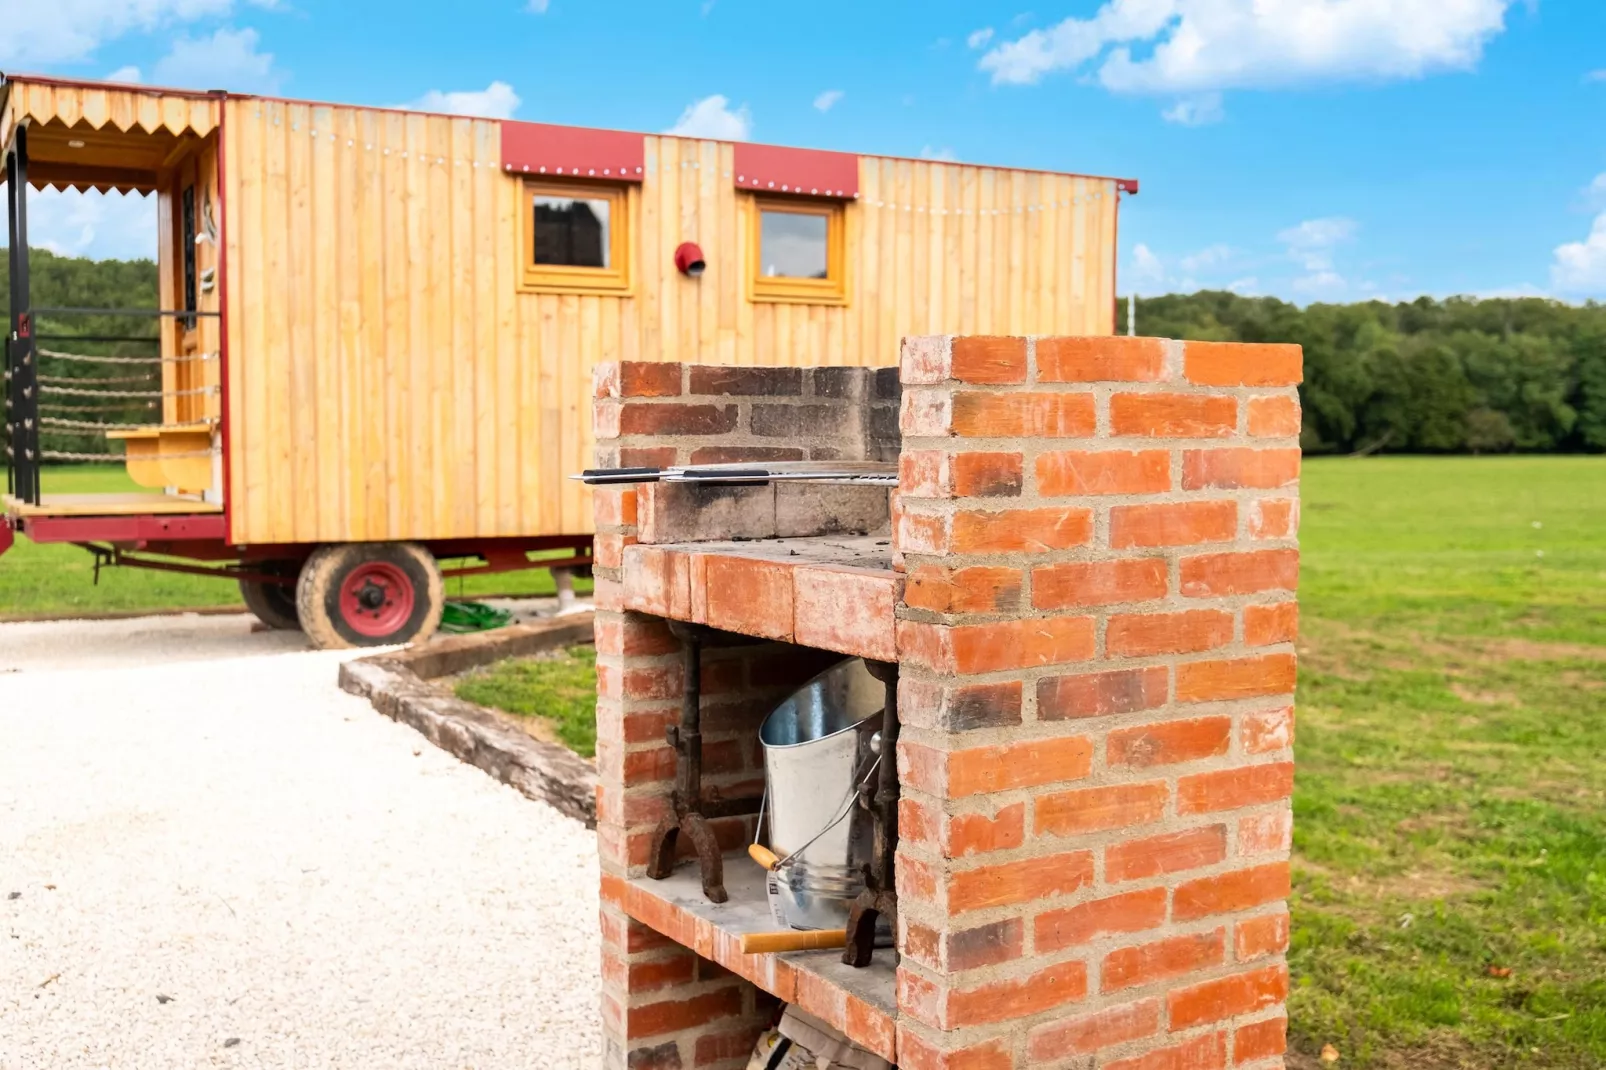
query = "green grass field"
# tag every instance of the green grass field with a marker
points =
(59, 579)
(1450, 829)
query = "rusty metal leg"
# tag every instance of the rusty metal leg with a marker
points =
(709, 862)
(661, 862)
(691, 809)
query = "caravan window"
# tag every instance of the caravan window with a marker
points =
(576, 238)
(795, 251)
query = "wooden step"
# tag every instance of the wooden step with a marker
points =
(172, 456)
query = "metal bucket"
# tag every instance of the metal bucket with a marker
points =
(816, 751)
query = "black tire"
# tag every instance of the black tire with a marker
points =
(369, 594)
(274, 604)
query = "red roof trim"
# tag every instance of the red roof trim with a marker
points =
(572, 151)
(797, 172)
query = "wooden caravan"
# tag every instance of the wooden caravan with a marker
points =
(378, 327)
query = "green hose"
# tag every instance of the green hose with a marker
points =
(458, 617)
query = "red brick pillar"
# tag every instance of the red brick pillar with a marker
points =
(1097, 638)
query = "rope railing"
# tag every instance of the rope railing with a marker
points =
(68, 410)
(70, 391)
(117, 401)
(90, 380)
(65, 455)
(58, 355)
(95, 425)
(74, 413)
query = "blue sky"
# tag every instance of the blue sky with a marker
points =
(1309, 149)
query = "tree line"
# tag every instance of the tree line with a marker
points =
(1458, 375)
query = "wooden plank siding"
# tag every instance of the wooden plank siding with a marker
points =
(388, 380)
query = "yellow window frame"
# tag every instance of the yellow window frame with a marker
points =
(831, 290)
(565, 278)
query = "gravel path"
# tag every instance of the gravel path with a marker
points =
(232, 863)
(104, 644)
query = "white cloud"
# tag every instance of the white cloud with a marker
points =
(128, 74)
(1312, 245)
(41, 34)
(945, 154)
(712, 117)
(1211, 256)
(1313, 241)
(227, 60)
(1148, 274)
(1201, 109)
(979, 38)
(119, 226)
(538, 7)
(826, 100)
(1321, 284)
(1596, 76)
(495, 101)
(1580, 267)
(1597, 191)
(1202, 46)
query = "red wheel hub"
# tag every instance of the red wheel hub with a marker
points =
(376, 599)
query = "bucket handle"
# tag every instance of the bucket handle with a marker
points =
(842, 815)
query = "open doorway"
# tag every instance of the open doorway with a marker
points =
(93, 249)
(114, 353)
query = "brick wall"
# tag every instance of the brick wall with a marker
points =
(656, 415)
(1098, 667)
(663, 414)
(664, 1007)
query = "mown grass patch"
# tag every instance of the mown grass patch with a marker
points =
(1450, 805)
(560, 688)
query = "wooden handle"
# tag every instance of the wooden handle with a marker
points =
(763, 856)
(793, 940)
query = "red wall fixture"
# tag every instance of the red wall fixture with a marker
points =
(689, 259)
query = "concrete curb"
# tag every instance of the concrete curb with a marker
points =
(395, 685)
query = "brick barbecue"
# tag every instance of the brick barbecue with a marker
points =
(1086, 580)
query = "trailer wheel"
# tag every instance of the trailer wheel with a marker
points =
(274, 604)
(369, 594)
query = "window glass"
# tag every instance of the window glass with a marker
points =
(793, 245)
(572, 232)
